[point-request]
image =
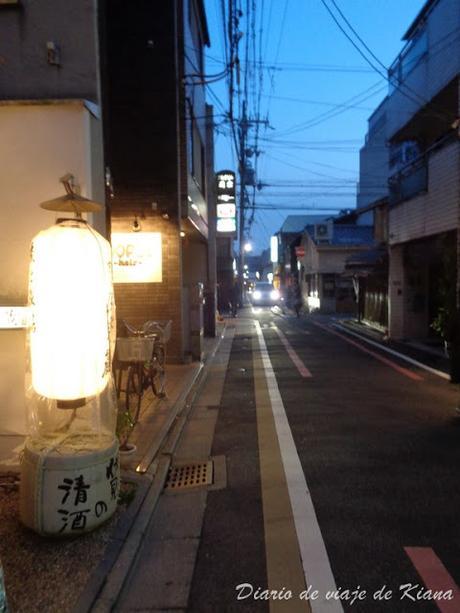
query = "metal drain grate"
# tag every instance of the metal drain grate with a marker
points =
(189, 475)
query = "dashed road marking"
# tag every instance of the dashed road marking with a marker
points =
(377, 356)
(303, 370)
(436, 577)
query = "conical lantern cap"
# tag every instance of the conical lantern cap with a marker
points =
(72, 203)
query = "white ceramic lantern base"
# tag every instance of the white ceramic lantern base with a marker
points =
(68, 494)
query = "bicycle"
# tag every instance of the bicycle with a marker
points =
(145, 353)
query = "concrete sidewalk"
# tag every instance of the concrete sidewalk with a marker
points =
(37, 569)
(155, 436)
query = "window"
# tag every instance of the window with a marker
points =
(328, 286)
(403, 153)
(196, 35)
(196, 152)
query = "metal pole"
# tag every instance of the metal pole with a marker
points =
(243, 128)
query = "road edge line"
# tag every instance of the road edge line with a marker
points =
(315, 560)
(403, 357)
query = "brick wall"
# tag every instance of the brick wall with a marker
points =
(144, 52)
(141, 131)
(138, 302)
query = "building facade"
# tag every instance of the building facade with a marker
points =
(323, 285)
(51, 125)
(424, 169)
(158, 130)
(374, 159)
(287, 238)
(115, 98)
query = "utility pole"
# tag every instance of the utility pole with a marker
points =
(243, 131)
(244, 124)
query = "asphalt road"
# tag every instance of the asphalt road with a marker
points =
(377, 441)
(336, 484)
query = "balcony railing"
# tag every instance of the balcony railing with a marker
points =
(407, 60)
(410, 181)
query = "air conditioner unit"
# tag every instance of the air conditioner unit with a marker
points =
(323, 232)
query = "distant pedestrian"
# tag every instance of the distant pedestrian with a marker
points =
(297, 299)
(234, 299)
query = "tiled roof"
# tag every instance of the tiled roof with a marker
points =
(297, 223)
(347, 234)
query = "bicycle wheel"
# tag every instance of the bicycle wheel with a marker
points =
(157, 372)
(134, 389)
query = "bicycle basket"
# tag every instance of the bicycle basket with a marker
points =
(161, 328)
(134, 349)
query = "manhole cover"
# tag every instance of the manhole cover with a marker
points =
(189, 475)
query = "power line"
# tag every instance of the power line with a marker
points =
(321, 103)
(359, 37)
(326, 116)
(321, 164)
(296, 207)
(299, 66)
(415, 97)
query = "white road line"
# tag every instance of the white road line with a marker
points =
(303, 370)
(401, 356)
(315, 561)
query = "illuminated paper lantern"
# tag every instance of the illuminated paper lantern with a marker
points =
(71, 300)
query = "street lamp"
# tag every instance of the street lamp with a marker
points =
(69, 472)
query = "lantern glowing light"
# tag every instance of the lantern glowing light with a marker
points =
(71, 301)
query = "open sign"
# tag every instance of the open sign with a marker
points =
(136, 258)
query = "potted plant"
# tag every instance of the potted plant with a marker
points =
(442, 325)
(125, 424)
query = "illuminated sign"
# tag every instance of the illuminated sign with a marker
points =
(226, 211)
(12, 317)
(226, 225)
(137, 257)
(226, 202)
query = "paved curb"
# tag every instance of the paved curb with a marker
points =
(417, 356)
(430, 360)
(102, 590)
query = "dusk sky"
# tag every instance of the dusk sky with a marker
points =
(310, 149)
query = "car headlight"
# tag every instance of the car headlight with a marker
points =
(257, 295)
(274, 294)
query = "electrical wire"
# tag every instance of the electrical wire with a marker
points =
(413, 96)
(327, 115)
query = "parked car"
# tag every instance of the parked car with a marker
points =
(265, 294)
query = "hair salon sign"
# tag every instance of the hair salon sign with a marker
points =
(137, 257)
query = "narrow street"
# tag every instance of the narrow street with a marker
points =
(230, 306)
(341, 485)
